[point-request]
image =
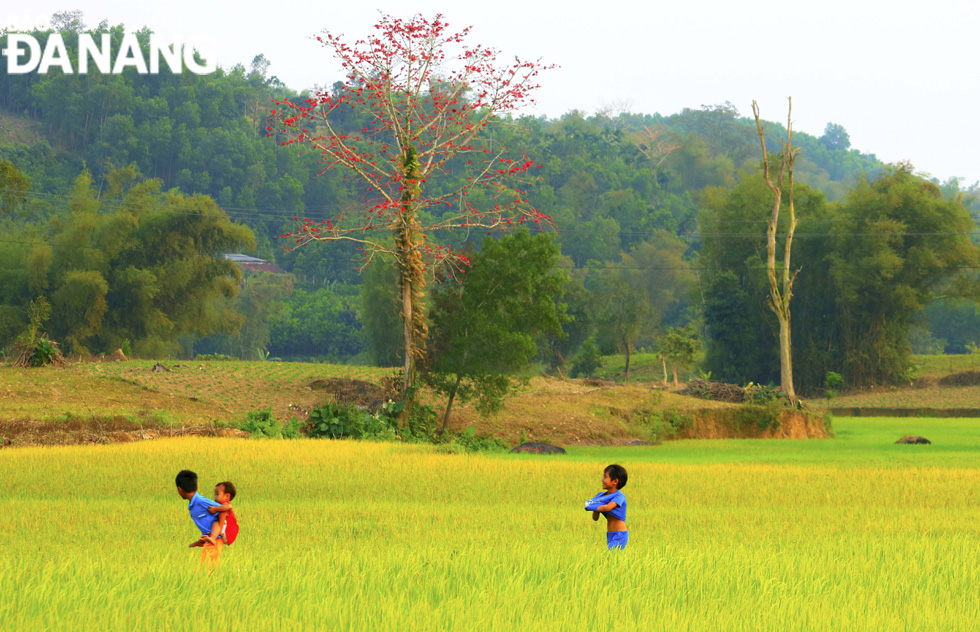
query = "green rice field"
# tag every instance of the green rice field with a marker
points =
(852, 533)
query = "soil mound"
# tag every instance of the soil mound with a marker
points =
(914, 439)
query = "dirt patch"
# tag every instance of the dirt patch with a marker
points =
(596, 382)
(90, 430)
(727, 423)
(966, 378)
(355, 392)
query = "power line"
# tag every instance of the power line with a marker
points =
(283, 215)
(584, 267)
(258, 214)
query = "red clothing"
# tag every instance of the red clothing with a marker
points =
(230, 531)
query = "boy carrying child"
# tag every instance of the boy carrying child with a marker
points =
(202, 512)
(611, 503)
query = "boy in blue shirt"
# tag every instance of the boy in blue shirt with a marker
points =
(611, 503)
(207, 522)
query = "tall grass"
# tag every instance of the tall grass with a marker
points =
(853, 533)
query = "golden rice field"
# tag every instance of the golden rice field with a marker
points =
(853, 533)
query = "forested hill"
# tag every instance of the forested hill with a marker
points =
(660, 219)
(611, 177)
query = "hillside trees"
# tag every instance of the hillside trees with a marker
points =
(870, 267)
(428, 102)
(742, 343)
(149, 271)
(898, 243)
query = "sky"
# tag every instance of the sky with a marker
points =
(901, 77)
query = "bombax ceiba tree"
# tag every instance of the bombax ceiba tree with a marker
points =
(426, 102)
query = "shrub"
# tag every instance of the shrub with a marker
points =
(588, 359)
(260, 424)
(831, 381)
(468, 441)
(663, 424)
(761, 395)
(336, 421)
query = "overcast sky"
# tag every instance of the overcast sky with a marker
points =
(901, 77)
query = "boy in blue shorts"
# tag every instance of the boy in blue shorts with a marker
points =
(611, 503)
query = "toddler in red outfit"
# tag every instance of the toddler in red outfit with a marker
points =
(224, 493)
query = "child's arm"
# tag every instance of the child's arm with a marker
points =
(222, 508)
(595, 515)
(607, 507)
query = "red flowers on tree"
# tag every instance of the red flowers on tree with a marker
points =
(430, 101)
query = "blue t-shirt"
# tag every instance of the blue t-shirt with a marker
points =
(604, 498)
(198, 506)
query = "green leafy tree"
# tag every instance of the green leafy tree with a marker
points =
(485, 328)
(625, 311)
(679, 347)
(835, 137)
(588, 360)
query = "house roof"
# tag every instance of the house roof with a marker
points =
(253, 264)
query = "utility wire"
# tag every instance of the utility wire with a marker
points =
(283, 215)
(610, 267)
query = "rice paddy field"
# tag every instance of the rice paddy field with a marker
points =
(852, 533)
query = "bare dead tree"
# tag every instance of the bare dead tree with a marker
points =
(781, 286)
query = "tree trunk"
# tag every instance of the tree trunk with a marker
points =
(449, 404)
(412, 275)
(627, 376)
(407, 317)
(676, 382)
(664, 362)
(786, 359)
